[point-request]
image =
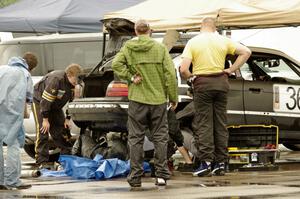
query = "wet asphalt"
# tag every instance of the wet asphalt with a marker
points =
(283, 182)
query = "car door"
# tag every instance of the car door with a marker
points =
(258, 97)
(235, 104)
(271, 92)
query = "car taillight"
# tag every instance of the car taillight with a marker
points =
(117, 89)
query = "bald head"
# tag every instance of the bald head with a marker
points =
(208, 24)
(142, 27)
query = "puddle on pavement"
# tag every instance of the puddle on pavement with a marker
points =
(255, 183)
(15, 196)
(292, 195)
(172, 186)
(126, 189)
(168, 187)
(289, 167)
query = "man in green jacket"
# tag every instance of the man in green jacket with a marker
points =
(149, 70)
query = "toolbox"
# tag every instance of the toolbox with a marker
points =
(252, 147)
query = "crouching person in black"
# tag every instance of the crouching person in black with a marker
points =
(86, 146)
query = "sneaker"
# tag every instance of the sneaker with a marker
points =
(203, 170)
(185, 167)
(219, 169)
(160, 182)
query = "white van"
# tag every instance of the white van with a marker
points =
(56, 51)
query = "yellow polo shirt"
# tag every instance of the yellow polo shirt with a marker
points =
(208, 52)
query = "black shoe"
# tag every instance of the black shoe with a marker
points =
(135, 182)
(3, 187)
(21, 186)
(204, 170)
(24, 186)
(135, 185)
(160, 182)
(219, 169)
(185, 167)
(136, 188)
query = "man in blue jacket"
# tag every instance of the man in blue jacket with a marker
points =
(16, 89)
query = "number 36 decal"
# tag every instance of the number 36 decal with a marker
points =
(286, 98)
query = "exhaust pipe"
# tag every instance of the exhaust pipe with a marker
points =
(30, 173)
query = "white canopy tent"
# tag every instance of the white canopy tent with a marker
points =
(230, 14)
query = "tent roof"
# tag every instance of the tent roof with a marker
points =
(230, 14)
(58, 15)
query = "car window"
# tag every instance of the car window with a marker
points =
(11, 50)
(246, 72)
(87, 54)
(265, 67)
(277, 68)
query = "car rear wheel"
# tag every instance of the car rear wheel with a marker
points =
(293, 147)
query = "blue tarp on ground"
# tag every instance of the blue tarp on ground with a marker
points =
(98, 168)
(64, 16)
(49, 173)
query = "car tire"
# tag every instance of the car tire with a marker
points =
(293, 147)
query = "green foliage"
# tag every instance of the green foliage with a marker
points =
(4, 3)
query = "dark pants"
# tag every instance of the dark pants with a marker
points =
(57, 132)
(140, 118)
(211, 135)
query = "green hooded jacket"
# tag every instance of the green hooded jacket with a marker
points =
(152, 61)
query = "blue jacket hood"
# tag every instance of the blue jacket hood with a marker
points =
(18, 61)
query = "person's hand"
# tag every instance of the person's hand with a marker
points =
(227, 71)
(45, 126)
(67, 124)
(173, 105)
(137, 79)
